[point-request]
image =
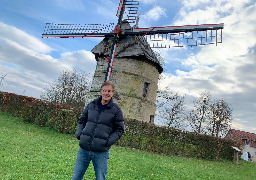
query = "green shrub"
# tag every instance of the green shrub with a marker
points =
(139, 135)
(65, 121)
(170, 141)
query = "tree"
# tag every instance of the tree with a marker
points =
(199, 115)
(159, 58)
(222, 116)
(210, 116)
(170, 107)
(71, 88)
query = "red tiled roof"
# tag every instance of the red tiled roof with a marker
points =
(242, 137)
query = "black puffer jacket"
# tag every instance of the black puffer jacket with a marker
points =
(98, 130)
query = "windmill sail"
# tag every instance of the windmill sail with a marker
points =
(158, 37)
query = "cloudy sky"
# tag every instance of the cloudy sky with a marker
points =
(227, 71)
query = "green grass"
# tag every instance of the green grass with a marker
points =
(32, 152)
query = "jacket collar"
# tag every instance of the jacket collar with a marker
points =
(98, 101)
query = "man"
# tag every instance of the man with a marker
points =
(100, 126)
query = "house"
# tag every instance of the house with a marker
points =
(246, 139)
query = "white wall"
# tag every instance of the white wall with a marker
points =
(247, 148)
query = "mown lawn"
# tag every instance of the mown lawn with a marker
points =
(31, 152)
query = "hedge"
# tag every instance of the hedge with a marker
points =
(170, 141)
(139, 135)
(62, 118)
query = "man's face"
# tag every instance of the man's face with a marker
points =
(106, 93)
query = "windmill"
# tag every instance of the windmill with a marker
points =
(119, 38)
(2, 79)
(130, 7)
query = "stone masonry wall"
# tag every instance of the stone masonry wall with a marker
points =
(129, 76)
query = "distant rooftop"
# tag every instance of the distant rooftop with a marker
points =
(242, 136)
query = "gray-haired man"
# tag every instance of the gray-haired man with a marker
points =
(100, 126)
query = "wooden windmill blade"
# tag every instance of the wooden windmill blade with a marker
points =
(131, 5)
(170, 33)
(117, 30)
(78, 30)
(103, 30)
(175, 29)
(132, 9)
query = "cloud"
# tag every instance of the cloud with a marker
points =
(155, 13)
(213, 11)
(24, 58)
(228, 70)
(226, 58)
(242, 126)
(82, 59)
(17, 81)
(10, 33)
(31, 70)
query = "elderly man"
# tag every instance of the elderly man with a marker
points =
(100, 126)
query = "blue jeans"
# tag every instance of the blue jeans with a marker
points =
(99, 160)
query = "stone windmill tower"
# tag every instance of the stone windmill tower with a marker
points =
(135, 74)
(136, 69)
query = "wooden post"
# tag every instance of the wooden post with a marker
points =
(235, 158)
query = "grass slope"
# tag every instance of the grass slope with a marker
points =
(32, 152)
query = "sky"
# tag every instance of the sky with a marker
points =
(227, 71)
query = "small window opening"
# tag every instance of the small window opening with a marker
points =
(145, 89)
(151, 118)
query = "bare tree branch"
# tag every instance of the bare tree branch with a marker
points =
(71, 88)
(200, 113)
(170, 107)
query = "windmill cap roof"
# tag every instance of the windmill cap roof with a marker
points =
(129, 46)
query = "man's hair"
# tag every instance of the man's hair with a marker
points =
(108, 84)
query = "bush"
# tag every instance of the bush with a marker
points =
(65, 121)
(139, 135)
(62, 118)
(170, 141)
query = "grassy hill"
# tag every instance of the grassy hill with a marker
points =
(32, 152)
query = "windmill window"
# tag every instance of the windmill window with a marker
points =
(145, 89)
(151, 119)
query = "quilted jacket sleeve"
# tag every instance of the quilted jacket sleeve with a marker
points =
(82, 121)
(118, 128)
